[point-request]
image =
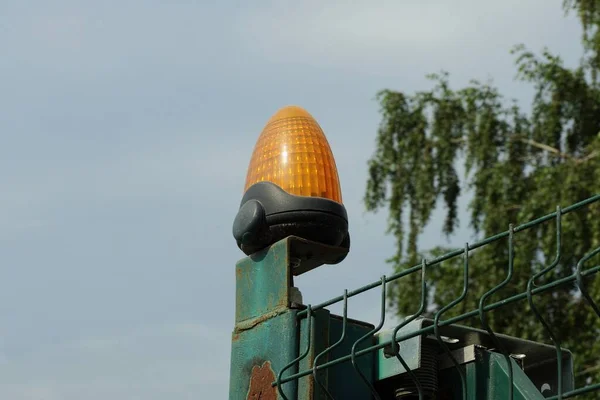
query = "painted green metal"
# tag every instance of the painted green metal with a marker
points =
(265, 333)
(484, 308)
(263, 282)
(308, 389)
(284, 350)
(273, 341)
(487, 378)
(341, 381)
(268, 336)
(540, 362)
(387, 364)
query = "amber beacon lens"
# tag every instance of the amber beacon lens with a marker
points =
(293, 153)
(292, 189)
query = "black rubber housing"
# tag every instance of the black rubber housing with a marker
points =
(268, 214)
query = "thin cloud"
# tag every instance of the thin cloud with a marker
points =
(402, 35)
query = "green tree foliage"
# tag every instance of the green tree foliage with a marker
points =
(519, 166)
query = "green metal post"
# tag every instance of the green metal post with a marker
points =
(265, 336)
(268, 335)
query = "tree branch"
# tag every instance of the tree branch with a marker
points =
(589, 156)
(588, 370)
(545, 147)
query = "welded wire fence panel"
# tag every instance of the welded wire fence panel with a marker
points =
(543, 281)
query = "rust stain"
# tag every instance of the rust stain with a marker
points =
(260, 383)
(251, 323)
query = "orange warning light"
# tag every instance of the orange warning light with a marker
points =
(293, 153)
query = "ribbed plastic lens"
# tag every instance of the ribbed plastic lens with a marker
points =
(293, 153)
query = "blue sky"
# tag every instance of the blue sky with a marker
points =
(125, 132)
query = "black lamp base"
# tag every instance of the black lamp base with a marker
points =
(268, 214)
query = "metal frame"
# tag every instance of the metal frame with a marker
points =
(305, 345)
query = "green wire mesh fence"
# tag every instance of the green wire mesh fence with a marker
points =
(578, 278)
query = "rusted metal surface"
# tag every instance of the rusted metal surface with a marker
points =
(273, 340)
(265, 326)
(260, 383)
(263, 283)
(251, 323)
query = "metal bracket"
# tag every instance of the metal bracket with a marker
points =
(308, 255)
(538, 361)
